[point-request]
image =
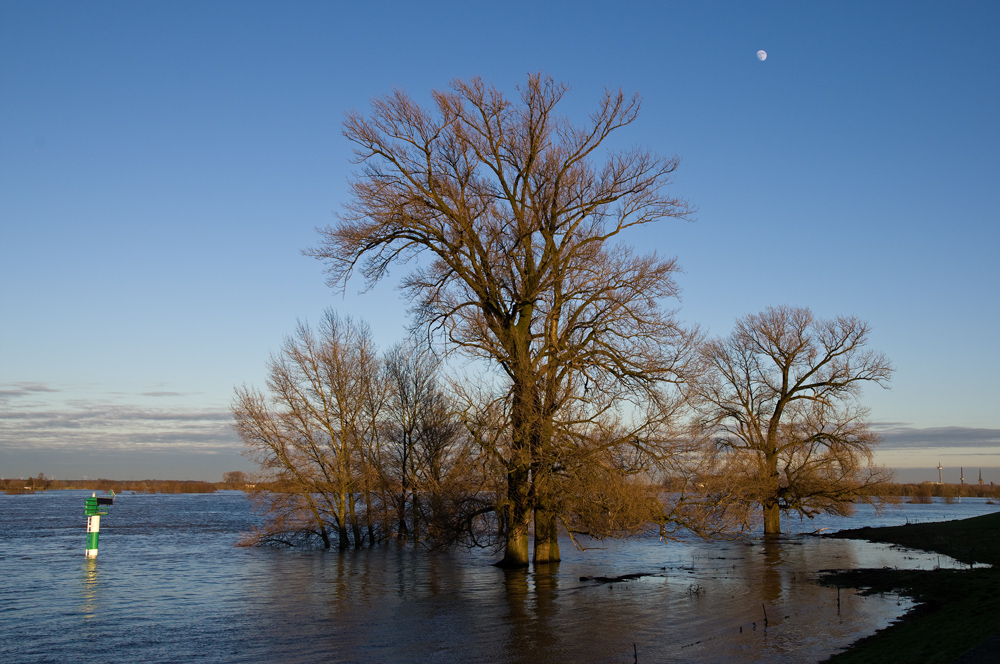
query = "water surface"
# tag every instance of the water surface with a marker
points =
(170, 586)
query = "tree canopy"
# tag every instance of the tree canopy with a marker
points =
(781, 395)
(515, 223)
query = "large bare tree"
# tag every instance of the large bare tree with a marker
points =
(782, 399)
(513, 228)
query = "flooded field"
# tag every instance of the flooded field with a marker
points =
(169, 586)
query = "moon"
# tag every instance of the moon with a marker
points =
(762, 55)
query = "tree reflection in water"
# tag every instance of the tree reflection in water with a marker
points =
(706, 604)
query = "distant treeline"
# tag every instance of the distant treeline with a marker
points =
(924, 491)
(42, 483)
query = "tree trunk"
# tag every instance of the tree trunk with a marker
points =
(402, 531)
(546, 537)
(369, 520)
(772, 518)
(386, 518)
(415, 504)
(516, 511)
(771, 503)
(515, 553)
(546, 523)
(515, 517)
(342, 539)
(320, 523)
(355, 526)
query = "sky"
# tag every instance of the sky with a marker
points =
(164, 165)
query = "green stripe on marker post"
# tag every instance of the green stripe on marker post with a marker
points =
(94, 509)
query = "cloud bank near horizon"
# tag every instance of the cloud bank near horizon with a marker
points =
(37, 417)
(34, 416)
(900, 436)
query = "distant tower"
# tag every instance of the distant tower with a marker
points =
(962, 475)
(980, 477)
(940, 475)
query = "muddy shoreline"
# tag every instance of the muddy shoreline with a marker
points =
(957, 617)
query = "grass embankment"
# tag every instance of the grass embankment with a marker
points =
(958, 609)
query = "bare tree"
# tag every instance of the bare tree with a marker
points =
(312, 435)
(782, 399)
(516, 229)
(356, 448)
(421, 432)
(450, 478)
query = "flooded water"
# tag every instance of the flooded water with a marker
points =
(169, 586)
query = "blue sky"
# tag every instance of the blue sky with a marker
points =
(163, 165)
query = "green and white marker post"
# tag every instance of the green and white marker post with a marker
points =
(94, 512)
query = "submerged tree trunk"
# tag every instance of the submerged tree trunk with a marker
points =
(543, 490)
(772, 518)
(516, 511)
(369, 520)
(515, 517)
(772, 503)
(546, 537)
(342, 538)
(402, 530)
(324, 534)
(415, 504)
(515, 553)
(355, 525)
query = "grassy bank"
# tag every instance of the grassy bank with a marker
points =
(958, 609)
